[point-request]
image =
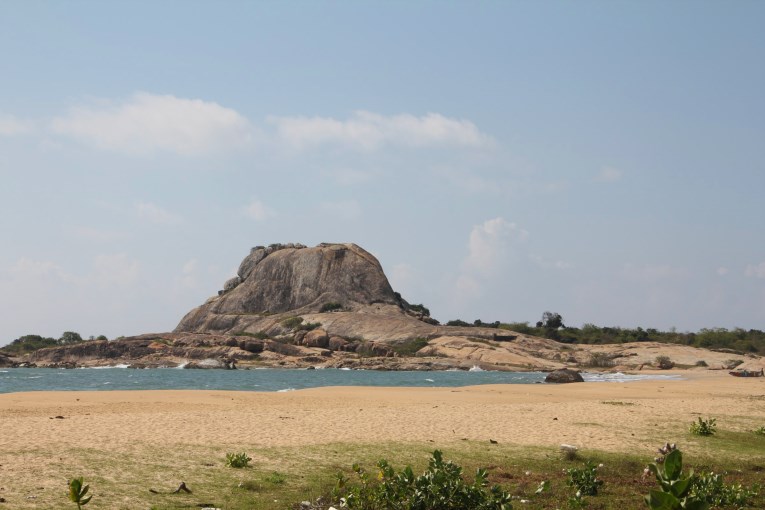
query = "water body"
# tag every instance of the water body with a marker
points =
(105, 379)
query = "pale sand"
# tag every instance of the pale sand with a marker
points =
(627, 417)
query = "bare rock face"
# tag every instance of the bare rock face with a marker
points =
(292, 278)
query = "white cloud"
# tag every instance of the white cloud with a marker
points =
(490, 245)
(487, 244)
(148, 123)
(116, 270)
(368, 131)
(10, 125)
(609, 174)
(155, 214)
(258, 211)
(756, 270)
(27, 269)
(344, 209)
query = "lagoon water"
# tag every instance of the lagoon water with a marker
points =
(117, 378)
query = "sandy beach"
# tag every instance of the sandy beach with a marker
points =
(606, 416)
(617, 417)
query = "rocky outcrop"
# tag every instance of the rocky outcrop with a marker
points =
(564, 376)
(292, 278)
(5, 361)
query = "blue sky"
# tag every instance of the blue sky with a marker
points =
(603, 160)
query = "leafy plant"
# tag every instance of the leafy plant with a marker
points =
(760, 431)
(276, 478)
(440, 487)
(675, 486)
(237, 460)
(703, 427)
(711, 487)
(78, 491)
(585, 479)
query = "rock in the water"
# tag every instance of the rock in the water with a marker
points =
(281, 278)
(564, 375)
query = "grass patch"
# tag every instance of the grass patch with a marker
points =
(282, 476)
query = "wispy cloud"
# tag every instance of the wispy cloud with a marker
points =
(10, 125)
(488, 241)
(258, 211)
(155, 214)
(488, 244)
(755, 270)
(369, 131)
(147, 123)
(609, 174)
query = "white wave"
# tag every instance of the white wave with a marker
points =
(34, 377)
(430, 380)
(285, 390)
(104, 367)
(182, 365)
(344, 368)
(476, 368)
(3, 371)
(107, 382)
(621, 377)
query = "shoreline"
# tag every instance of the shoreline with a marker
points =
(527, 414)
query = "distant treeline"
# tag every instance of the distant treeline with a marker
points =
(30, 343)
(551, 326)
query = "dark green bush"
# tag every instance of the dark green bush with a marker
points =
(292, 322)
(330, 307)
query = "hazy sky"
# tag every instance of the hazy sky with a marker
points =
(603, 160)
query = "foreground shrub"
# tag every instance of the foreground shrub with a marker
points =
(711, 488)
(78, 491)
(237, 460)
(760, 431)
(703, 427)
(585, 479)
(674, 491)
(440, 487)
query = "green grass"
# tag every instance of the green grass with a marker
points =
(282, 476)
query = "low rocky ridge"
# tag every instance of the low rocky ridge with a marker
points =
(332, 306)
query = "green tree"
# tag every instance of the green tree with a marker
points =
(69, 337)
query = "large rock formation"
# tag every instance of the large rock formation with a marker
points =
(293, 278)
